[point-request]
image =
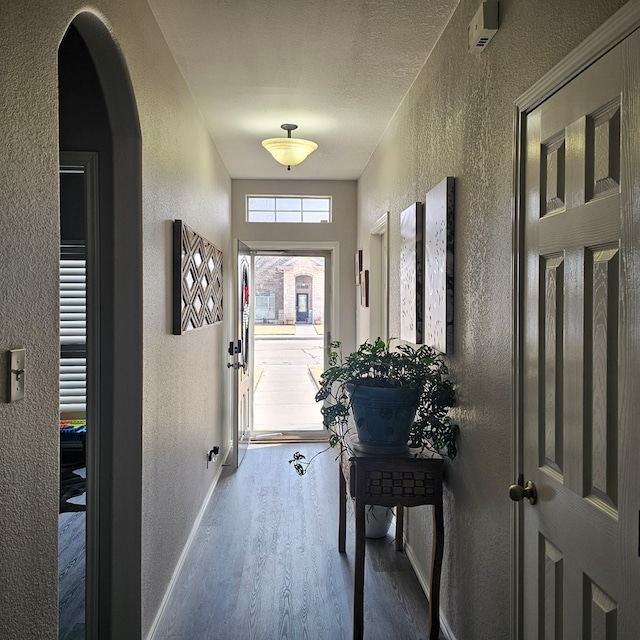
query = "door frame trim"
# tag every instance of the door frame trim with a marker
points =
(618, 27)
(331, 250)
(119, 601)
(379, 267)
(88, 162)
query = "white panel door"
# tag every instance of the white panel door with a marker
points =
(581, 355)
(240, 353)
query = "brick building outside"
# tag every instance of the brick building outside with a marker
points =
(289, 290)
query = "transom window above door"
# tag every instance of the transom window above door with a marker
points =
(296, 209)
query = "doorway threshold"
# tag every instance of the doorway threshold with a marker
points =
(289, 437)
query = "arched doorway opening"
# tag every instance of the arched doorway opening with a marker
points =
(98, 115)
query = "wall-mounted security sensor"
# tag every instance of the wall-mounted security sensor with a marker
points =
(483, 26)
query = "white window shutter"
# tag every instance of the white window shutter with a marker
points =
(73, 335)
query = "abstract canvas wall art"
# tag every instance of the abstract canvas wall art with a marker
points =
(364, 288)
(438, 266)
(357, 266)
(411, 264)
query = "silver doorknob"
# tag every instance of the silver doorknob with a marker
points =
(517, 492)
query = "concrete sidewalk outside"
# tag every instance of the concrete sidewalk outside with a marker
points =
(284, 399)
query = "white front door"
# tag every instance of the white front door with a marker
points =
(579, 323)
(240, 356)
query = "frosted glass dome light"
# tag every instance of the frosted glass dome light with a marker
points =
(289, 151)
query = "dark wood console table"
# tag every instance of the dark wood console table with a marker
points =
(392, 481)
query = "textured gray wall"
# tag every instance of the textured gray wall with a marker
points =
(185, 387)
(457, 120)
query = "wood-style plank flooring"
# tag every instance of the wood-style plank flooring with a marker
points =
(265, 565)
(71, 575)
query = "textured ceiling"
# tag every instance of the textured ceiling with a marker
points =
(338, 69)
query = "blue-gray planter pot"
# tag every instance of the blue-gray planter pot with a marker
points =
(383, 417)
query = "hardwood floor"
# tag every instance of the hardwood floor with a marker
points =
(265, 563)
(71, 556)
(71, 575)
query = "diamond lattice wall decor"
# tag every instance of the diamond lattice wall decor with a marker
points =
(197, 280)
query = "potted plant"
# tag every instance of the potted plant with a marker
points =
(397, 399)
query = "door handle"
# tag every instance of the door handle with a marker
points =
(520, 491)
(233, 365)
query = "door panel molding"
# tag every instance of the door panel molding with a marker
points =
(605, 38)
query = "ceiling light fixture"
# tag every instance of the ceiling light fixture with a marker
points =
(289, 151)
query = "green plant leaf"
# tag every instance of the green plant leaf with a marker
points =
(377, 364)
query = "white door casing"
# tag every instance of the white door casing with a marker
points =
(86, 163)
(578, 348)
(379, 264)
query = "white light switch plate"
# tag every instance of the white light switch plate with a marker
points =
(16, 374)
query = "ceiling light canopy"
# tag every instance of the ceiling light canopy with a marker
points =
(289, 151)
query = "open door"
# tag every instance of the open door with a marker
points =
(240, 354)
(578, 476)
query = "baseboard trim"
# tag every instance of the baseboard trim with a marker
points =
(181, 560)
(423, 579)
